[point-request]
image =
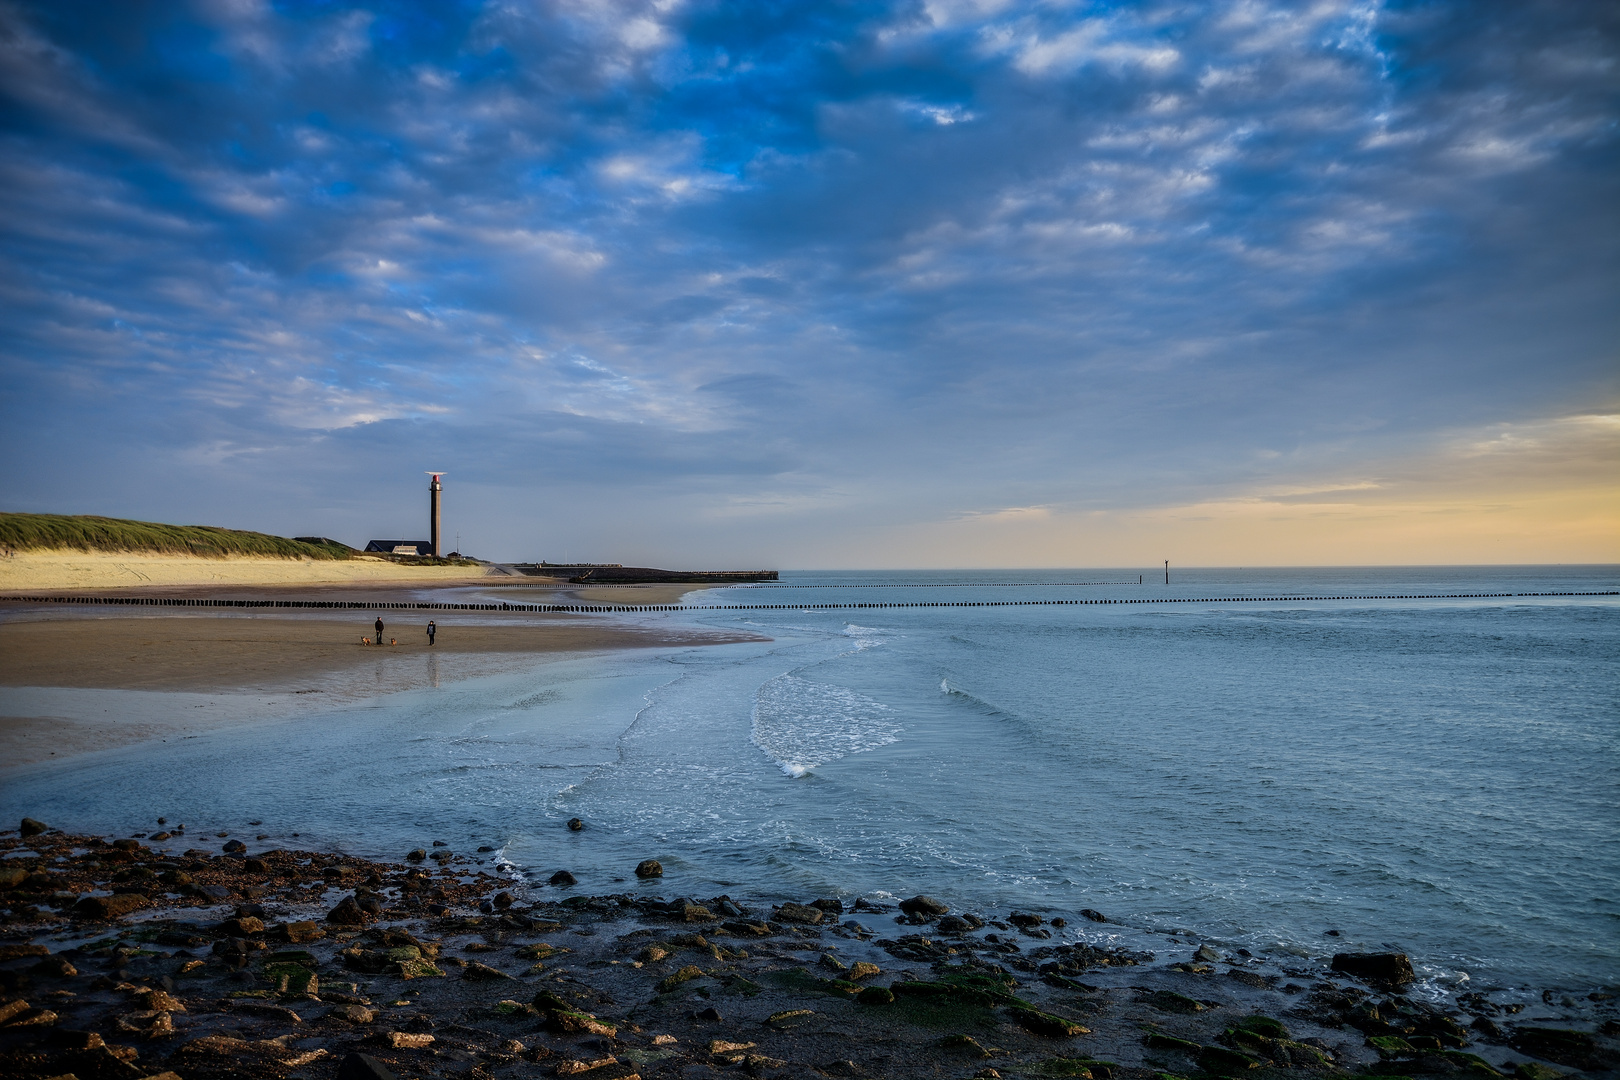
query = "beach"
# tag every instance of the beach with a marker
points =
(253, 667)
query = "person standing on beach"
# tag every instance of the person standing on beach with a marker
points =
(379, 629)
(431, 631)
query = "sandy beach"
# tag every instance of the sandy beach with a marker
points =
(31, 571)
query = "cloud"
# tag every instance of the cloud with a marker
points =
(854, 266)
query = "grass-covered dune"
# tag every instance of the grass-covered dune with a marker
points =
(56, 532)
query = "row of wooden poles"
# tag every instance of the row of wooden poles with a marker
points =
(204, 602)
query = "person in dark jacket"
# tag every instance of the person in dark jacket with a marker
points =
(432, 629)
(379, 629)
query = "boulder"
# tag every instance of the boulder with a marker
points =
(649, 868)
(347, 913)
(303, 931)
(232, 847)
(247, 926)
(109, 907)
(1025, 920)
(30, 827)
(1558, 1045)
(363, 1067)
(800, 913)
(924, 905)
(563, 879)
(1390, 969)
(483, 973)
(414, 855)
(574, 824)
(1094, 916)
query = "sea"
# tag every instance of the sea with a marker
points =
(1429, 762)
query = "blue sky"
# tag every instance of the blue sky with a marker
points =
(958, 282)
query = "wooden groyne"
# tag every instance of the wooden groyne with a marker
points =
(410, 605)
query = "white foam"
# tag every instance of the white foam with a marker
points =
(803, 724)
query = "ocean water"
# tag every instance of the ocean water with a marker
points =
(1439, 776)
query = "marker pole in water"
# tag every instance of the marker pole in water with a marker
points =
(1167, 571)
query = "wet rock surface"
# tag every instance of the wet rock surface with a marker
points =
(234, 967)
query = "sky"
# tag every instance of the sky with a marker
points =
(934, 283)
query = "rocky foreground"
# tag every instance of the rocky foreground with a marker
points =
(119, 962)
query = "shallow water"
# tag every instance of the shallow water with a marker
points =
(1433, 775)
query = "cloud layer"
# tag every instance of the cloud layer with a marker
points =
(682, 282)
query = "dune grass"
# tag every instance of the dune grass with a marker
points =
(45, 532)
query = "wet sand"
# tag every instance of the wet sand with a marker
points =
(205, 672)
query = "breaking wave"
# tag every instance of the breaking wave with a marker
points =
(802, 724)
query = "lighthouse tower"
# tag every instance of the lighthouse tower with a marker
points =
(434, 488)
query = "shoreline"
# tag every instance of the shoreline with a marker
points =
(286, 960)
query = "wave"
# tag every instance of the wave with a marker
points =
(803, 724)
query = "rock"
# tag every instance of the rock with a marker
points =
(924, 905)
(828, 960)
(303, 931)
(1219, 1061)
(725, 1046)
(862, 970)
(231, 847)
(1206, 955)
(247, 926)
(800, 913)
(30, 827)
(20, 952)
(563, 879)
(876, 995)
(12, 876)
(109, 907)
(711, 1014)
(1094, 916)
(829, 904)
(442, 857)
(1558, 1045)
(363, 1067)
(414, 855)
(747, 929)
(1170, 1001)
(685, 974)
(964, 1044)
(574, 824)
(53, 967)
(126, 844)
(408, 1040)
(347, 913)
(10, 1010)
(503, 900)
(1529, 1070)
(649, 868)
(354, 1014)
(148, 1024)
(653, 953)
(1158, 1040)
(951, 924)
(1040, 1023)
(1025, 920)
(1391, 969)
(160, 1001)
(484, 973)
